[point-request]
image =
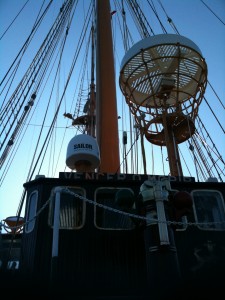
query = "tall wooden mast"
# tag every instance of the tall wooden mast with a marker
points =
(106, 105)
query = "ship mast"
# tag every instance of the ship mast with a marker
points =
(91, 112)
(172, 147)
(106, 105)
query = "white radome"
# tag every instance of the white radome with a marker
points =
(83, 153)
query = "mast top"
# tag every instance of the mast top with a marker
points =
(163, 64)
(165, 39)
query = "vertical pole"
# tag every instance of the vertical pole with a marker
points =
(91, 125)
(55, 239)
(106, 104)
(172, 148)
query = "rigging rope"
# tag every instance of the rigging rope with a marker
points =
(212, 12)
(142, 20)
(168, 18)
(215, 150)
(47, 139)
(13, 20)
(157, 16)
(27, 81)
(214, 115)
(127, 154)
(40, 64)
(24, 47)
(217, 96)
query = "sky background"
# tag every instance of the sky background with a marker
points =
(192, 20)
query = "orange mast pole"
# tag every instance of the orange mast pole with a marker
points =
(106, 104)
(91, 113)
(172, 148)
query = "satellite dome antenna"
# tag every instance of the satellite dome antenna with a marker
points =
(83, 153)
(163, 79)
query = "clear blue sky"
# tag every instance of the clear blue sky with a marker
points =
(191, 18)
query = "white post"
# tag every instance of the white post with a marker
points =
(160, 197)
(55, 239)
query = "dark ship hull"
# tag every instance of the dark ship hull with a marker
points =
(101, 253)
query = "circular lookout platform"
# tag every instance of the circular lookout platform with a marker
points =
(163, 79)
